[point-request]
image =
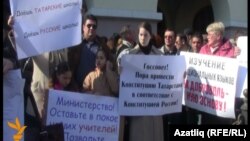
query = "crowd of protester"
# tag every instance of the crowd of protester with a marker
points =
(94, 67)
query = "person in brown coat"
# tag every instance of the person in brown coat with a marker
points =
(145, 128)
(103, 80)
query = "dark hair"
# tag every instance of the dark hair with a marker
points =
(60, 69)
(182, 37)
(105, 50)
(198, 35)
(107, 53)
(170, 30)
(116, 37)
(146, 26)
(6, 14)
(89, 17)
(157, 41)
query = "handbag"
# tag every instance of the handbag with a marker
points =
(54, 132)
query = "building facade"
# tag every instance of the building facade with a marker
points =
(162, 14)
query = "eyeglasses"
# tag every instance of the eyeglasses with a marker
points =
(91, 25)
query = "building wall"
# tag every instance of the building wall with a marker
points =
(180, 14)
(108, 26)
(233, 14)
(187, 11)
(177, 14)
(145, 5)
(113, 14)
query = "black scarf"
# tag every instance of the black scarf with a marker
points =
(146, 49)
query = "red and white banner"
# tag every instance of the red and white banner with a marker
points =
(210, 84)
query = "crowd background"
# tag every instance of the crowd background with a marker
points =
(67, 69)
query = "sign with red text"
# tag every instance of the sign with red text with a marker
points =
(151, 84)
(45, 25)
(210, 84)
(84, 116)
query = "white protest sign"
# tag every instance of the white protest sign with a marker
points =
(242, 44)
(242, 74)
(45, 25)
(151, 84)
(13, 102)
(84, 116)
(210, 83)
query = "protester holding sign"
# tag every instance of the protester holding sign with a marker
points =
(169, 47)
(182, 43)
(219, 46)
(196, 42)
(62, 78)
(103, 80)
(37, 29)
(43, 65)
(145, 128)
(128, 41)
(9, 51)
(13, 84)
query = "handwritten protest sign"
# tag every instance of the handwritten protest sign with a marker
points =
(45, 25)
(84, 116)
(151, 85)
(242, 74)
(210, 84)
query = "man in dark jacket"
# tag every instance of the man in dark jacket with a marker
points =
(82, 57)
